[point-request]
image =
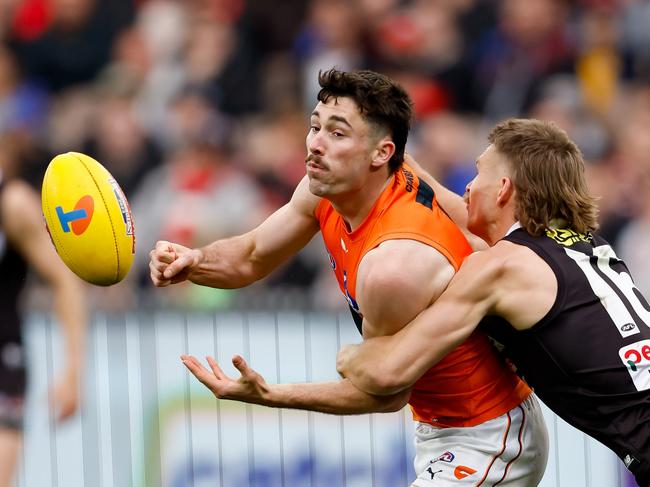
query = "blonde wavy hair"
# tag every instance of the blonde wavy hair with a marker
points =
(548, 172)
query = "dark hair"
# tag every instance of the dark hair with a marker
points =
(548, 172)
(381, 101)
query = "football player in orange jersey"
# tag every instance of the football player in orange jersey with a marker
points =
(393, 251)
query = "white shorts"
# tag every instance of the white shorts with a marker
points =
(509, 451)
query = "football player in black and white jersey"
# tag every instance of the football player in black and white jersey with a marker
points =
(24, 244)
(551, 292)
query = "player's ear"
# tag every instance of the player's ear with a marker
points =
(506, 192)
(384, 150)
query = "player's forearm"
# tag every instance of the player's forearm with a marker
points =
(227, 264)
(336, 397)
(72, 317)
(366, 366)
(388, 364)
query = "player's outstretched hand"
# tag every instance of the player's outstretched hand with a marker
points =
(171, 263)
(250, 387)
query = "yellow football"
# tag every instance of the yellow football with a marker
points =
(88, 218)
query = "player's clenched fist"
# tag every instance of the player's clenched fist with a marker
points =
(171, 263)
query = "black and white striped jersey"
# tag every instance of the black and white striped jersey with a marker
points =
(588, 359)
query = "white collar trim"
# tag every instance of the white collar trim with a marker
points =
(514, 227)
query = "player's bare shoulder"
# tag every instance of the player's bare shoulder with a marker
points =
(405, 262)
(397, 280)
(527, 284)
(518, 261)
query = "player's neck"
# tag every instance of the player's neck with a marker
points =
(355, 206)
(499, 229)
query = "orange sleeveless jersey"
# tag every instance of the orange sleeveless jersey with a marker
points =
(471, 384)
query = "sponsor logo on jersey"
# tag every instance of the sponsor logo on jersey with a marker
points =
(629, 460)
(78, 219)
(628, 327)
(461, 471)
(567, 237)
(636, 358)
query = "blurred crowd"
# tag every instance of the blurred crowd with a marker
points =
(199, 107)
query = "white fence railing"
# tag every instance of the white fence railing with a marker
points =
(146, 422)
